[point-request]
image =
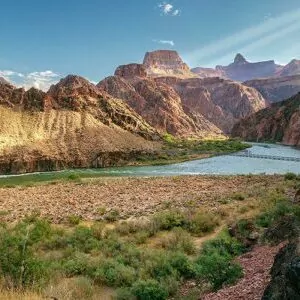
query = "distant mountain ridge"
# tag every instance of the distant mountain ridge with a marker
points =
(243, 70)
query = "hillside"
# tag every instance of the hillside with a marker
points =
(276, 89)
(163, 91)
(278, 123)
(73, 125)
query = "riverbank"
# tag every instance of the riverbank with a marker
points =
(87, 197)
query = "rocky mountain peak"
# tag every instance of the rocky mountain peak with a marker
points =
(71, 85)
(166, 62)
(131, 70)
(240, 59)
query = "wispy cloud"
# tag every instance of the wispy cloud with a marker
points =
(167, 9)
(255, 36)
(263, 41)
(40, 80)
(165, 42)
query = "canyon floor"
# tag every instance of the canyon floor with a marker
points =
(131, 197)
(101, 227)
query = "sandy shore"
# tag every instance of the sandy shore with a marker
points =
(130, 196)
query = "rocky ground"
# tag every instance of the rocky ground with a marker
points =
(256, 266)
(129, 196)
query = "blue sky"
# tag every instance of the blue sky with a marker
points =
(43, 40)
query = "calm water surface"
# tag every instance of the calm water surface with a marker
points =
(220, 165)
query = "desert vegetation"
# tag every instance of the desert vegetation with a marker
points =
(146, 257)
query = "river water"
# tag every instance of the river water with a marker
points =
(219, 165)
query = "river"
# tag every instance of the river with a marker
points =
(219, 165)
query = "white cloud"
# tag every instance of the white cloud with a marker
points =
(165, 42)
(40, 80)
(168, 9)
(176, 12)
(246, 37)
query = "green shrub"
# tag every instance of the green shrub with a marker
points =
(74, 219)
(82, 239)
(178, 240)
(149, 290)
(280, 209)
(290, 176)
(124, 294)
(223, 245)
(76, 265)
(218, 269)
(112, 216)
(238, 196)
(201, 223)
(17, 261)
(169, 219)
(114, 274)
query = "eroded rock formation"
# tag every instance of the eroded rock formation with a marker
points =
(279, 123)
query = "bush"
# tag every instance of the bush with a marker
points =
(112, 216)
(224, 245)
(114, 274)
(290, 176)
(218, 269)
(280, 209)
(201, 223)
(149, 290)
(169, 219)
(178, 240)
(78, 265)
(74, 219)
(238, 197)
(17, 261)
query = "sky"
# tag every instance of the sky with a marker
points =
(42, 41)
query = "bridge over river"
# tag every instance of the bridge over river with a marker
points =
(248, 153)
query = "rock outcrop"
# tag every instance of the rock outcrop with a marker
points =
(276, 89)
(171, 99)
(285, 274)
(166, 63)
(73, 125)
(158, 103)
(222, 102)
(279, 123)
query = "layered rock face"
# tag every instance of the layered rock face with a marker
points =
(73, 125)
(178, 105)
(222, 102)
(166, 63)
(156, 102)
(276, 89)
(208, 72)
(280, 122)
